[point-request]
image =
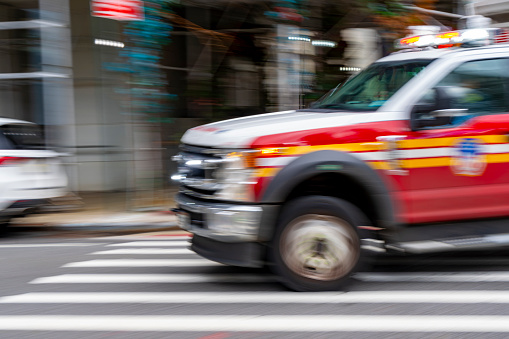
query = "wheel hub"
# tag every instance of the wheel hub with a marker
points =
(320, 247)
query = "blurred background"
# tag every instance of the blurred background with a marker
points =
(116, 83)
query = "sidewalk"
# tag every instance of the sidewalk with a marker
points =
(107, 211)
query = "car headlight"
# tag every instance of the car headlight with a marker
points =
(235, 176)
(229, 175)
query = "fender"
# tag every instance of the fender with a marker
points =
(339, 162)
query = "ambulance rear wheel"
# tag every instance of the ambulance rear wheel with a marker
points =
(317, 245)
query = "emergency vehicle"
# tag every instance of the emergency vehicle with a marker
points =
(410, 155)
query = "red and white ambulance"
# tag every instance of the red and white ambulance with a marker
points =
(410, 155)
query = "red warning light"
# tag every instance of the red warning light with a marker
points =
(448, 35)
(409, 40)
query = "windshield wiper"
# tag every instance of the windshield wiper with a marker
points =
(330, 106)
(324, 108)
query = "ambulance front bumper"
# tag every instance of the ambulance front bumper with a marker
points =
(227, 233)
(220, 221)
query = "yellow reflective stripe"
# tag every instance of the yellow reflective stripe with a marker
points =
(270, 172)
(425, 162)
(267, 172)
(443, 161)
(377, 146)
(353, 147)
(403, 144)
(497, 158)
(446, 161)
(359, 147)
(406, 144)
(379, 165)
(404, 163)
(444, 142)
(494, 139)
(426, 143)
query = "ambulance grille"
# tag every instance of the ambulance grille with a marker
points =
(196, 169)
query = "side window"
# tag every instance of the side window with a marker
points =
(474, 88)
(22, 136)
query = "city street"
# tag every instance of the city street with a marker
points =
(151, 286)
(302, 133)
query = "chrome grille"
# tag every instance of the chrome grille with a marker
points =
(196, 170)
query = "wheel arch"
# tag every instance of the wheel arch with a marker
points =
(338, 174)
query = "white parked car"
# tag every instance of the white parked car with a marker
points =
(30, 174)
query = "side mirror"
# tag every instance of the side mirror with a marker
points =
(437, 113)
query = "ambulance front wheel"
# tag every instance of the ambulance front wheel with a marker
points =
(317, 245)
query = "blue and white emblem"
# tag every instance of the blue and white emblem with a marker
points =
(468, 157)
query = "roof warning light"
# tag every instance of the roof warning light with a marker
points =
(474, 37)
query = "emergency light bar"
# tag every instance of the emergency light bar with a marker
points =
(450, 39)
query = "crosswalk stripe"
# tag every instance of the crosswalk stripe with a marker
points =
(144, 263)
(153, 243)
(145, 251)
(69, 244)
(182, 278)
(434, 277)
(151, 278)
(257, 323)
(374, 297)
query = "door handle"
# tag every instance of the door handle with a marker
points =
(391, 137)
(393, 153)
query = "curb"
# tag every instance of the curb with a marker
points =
(125, 226)
(92, 229)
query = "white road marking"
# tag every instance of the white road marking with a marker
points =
(151, 278)
(144, 263)
(153, 243)
(258, 323)
(399, 297)
(434, 277)
(207, 278)
(70, 244)
(164, 251)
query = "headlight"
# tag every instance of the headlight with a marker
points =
(235, 176)
(222, 174)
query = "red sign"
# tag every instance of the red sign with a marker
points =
(118, 9)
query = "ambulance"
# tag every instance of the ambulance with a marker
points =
(410, 155)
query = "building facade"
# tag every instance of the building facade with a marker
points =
(222, 59)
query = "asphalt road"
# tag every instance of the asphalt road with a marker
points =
(151, 286)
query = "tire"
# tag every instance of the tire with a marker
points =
(317, 245)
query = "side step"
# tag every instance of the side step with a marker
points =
(457, 236)
(451, 244)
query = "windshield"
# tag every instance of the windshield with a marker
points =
(371, 88)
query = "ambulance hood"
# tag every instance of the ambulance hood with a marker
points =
(241, 132)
